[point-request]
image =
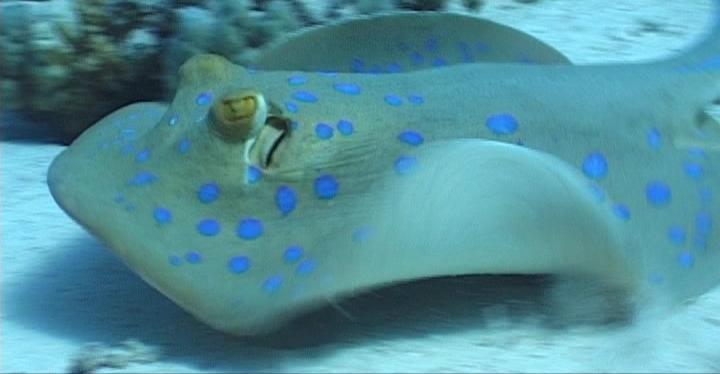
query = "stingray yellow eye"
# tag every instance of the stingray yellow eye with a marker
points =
(239, 116)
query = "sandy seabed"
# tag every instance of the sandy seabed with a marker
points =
(61, 289)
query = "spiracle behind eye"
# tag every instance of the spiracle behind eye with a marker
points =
(276, 129)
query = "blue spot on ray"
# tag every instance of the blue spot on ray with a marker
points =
(291, 107)
(305, 96)
(595, 166)
(362, 234)
(285, 199)
(393, 100)
(306, 267)
(345, 127)
(439, 61)
(143, 155)
(394, 68)
(184, 146)
(326, 187)
(162, 215)
(296, 80)
(703, 223)
(208, 193)
(677, 235)
(502, 124)
(273, 283)
(405, 164)
(693, 170)
(411, 137)
(239, 264)
(142, 178)
(293, 253)
(621, 211)
(416, 99)
(357, 65)
(323, 131)
(173, 120)
(658, 193)
(654, 138)
(208, 227)
(204, 98)
(686, 259)
(347, 88)
(193, 257)
(249, 228)
(254, 174)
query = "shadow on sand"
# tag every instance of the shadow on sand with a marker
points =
(85, 294)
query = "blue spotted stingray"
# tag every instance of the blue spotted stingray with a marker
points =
(399, 147)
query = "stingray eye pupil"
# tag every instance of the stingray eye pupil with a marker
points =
(242, 108)
(234, 108)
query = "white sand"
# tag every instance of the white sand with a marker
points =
(61, 289)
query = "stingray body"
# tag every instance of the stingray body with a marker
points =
(431, 145)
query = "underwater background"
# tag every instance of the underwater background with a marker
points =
(69, 304)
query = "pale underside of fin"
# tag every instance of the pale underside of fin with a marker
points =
(398, 42)
(493, 207)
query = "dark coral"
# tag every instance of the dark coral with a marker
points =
(102, 66)
(422, 5)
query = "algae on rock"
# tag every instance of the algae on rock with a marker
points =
(73, 73)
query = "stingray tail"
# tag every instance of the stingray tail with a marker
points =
(693, 78)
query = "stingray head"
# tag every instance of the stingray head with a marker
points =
(176, 190)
